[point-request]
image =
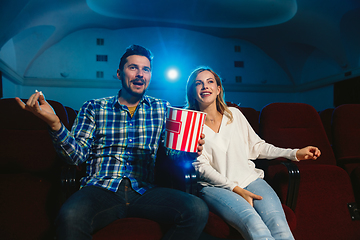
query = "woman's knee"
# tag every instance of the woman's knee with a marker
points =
(279, 227)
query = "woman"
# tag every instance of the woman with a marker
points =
(231, 185)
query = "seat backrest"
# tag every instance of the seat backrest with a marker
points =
(29, 173)
(60, 112)
(251, 115)
(325, 116)
(71, 115)
(346, 133)
(25, 141)
(295, 125)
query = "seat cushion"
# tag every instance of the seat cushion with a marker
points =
(131, 229)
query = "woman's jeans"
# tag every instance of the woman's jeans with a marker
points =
(266, 220)
(92, 208)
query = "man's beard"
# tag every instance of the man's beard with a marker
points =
(135, 94)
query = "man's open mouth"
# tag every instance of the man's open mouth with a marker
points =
(138, 82)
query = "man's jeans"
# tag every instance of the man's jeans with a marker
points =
(92, 208)
(266, 220)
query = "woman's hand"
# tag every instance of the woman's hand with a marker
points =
(201, 142)
(308, 153)
(43, 110)
(248, 196)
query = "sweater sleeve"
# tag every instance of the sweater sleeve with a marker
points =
(209, 176)
(269, 151)
(258, 148)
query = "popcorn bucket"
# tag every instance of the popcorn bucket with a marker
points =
(183, 129)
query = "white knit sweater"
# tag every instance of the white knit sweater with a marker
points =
(226, 160)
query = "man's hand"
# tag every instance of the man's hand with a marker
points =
(248, 196)
(308, 153)
(43, 110)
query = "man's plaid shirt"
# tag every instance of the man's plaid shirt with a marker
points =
(114, 144)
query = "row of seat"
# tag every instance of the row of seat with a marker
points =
(32, 193)
(297, 125)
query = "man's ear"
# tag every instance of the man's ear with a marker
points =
(118, 74)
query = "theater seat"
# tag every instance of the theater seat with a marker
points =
(35, 182)
(325, 116)
(216, 227)
(30, 191)
(71, 115)
(251, 115)
(346, 135)
(167, 174)
(131, 229)
(325, 189)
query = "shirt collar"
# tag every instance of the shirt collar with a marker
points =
(145, 99)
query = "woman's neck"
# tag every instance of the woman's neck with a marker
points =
(213, 116)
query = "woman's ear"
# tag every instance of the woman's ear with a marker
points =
(118, 74)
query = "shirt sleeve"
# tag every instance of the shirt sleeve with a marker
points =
(75, 146)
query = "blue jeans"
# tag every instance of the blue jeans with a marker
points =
(266, 220)
(92, 208)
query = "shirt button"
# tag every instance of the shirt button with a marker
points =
(128, 153)
(130, 124)
(130, 140)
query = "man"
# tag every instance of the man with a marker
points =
(118, 137)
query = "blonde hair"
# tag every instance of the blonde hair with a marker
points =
(190, 93)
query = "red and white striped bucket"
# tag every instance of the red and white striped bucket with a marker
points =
(183, 129)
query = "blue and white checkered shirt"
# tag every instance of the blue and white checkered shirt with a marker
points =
(114, 144)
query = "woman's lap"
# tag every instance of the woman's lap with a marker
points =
(265, 220)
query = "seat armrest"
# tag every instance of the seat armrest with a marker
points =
(294, 182)
(70, 179)
(186, 176)
(175, 171)
(179, 174)
(342, 161)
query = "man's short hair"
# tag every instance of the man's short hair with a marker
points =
(135, 50)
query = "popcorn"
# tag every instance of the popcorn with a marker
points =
(183, 129)
(40, 92)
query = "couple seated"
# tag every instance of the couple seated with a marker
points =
(118, 138)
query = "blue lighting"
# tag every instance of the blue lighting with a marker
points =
(172, 74)
(187, 164)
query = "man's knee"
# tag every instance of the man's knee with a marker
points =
(197, 208)
(68, 215)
